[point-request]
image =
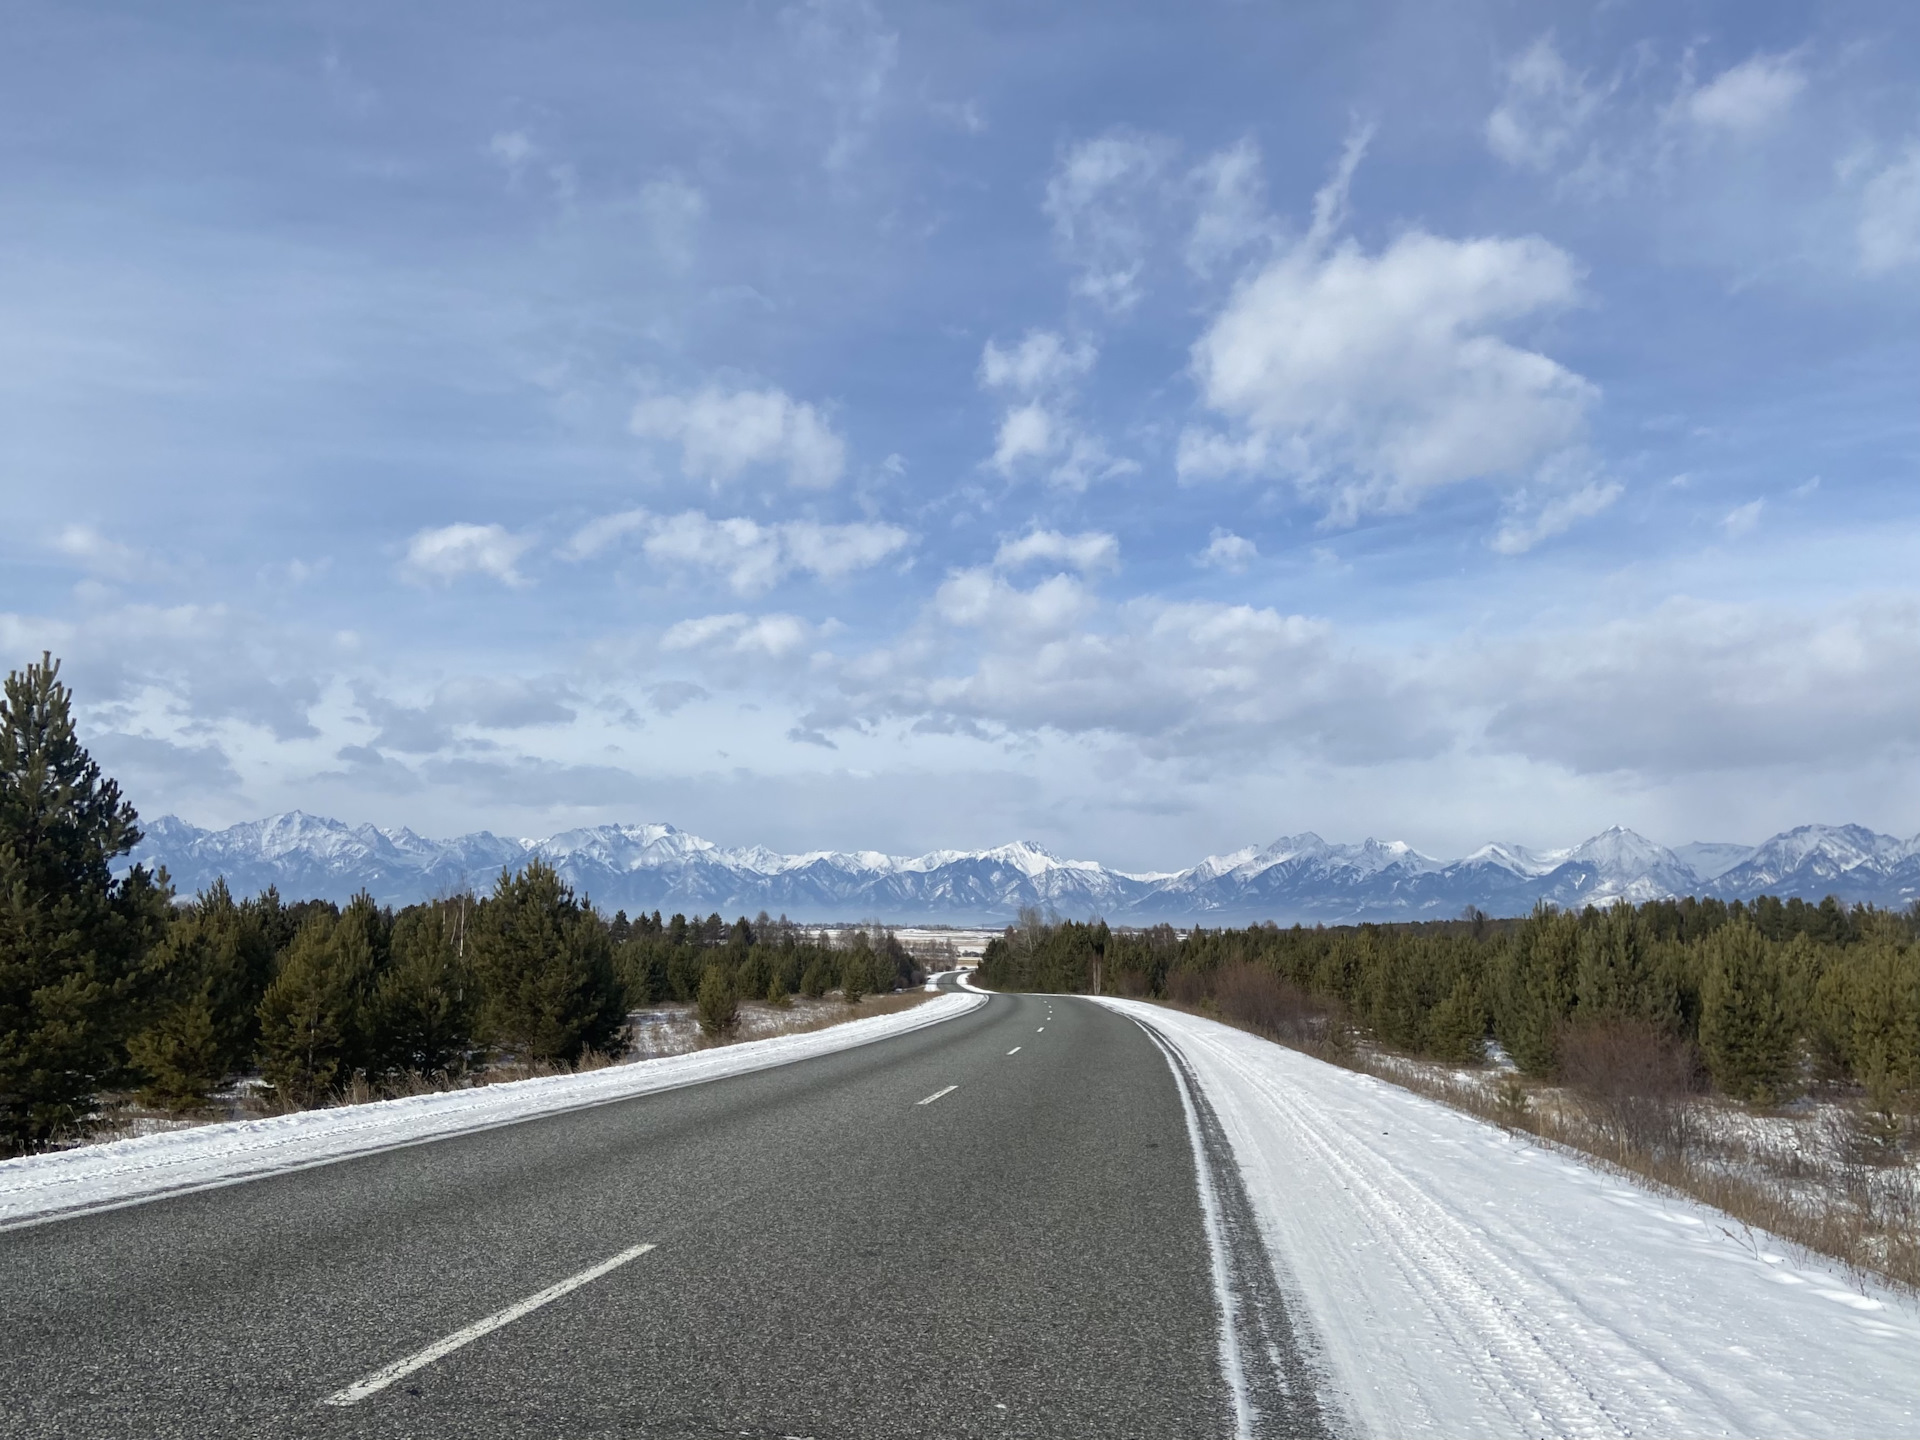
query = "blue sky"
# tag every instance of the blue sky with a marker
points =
(1144, 429)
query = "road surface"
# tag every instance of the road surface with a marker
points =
(995, 1226)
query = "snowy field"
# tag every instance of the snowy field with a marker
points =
(126, 1171)
(1461, 1281)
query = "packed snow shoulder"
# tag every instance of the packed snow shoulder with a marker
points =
(1454, 1279)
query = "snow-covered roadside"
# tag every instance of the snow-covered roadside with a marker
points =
(1459, 1280)
(39, 1186)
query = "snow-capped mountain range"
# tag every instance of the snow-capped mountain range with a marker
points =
(1298, 877)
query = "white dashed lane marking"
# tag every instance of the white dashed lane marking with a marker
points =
(399, 1369)
(936, 1095)
(1014, 1051)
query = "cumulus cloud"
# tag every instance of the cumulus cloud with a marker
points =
(1889, 228)
(1373, 379)
(443, 555)
(1104, 201)
(753, 557)
(771, 636)
(1039, 430)
(1228, 551)
(1746, 97)
(723, 433)
(1176, 679)
(1088, 551)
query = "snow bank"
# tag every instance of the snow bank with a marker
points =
(122, 1171)
(1461, 1281)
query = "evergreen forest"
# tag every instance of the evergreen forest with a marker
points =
(112, 984)
(1757, 1000)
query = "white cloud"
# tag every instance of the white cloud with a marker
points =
(1747, 97)
(1527, 526)
(1889, 228)
(1088, 551)
(1233, 212)
(1027, 432)
(753, 557)
(1041, 361)
(1198, 680)
(979, 598)
(1042, 431)
(1105, 202)
(722, 434)
(443, 555)
(1546, 111)
(1529, 522)
(1373, 379)
(1742, 519)
(772, 636)
(1228, 551)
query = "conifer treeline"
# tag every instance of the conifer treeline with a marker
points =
(1767, 994)
(106, 984)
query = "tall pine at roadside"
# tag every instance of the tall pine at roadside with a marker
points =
(72, 937)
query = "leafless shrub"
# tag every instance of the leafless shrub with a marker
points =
(1263, 1002)
(1635, 1081)
(1189, 988)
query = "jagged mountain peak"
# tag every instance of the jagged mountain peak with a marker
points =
(1297, 877)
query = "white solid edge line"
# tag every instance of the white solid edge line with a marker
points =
(386, 1375)
(936, 1095)
(1014, 1051)
(1216, 1243)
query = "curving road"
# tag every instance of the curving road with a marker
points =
(831, 1251)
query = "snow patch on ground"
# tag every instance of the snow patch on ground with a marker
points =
(1463, 1281)
(42, 1186)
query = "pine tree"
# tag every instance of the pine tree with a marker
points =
(315, 1018)
(72, 938)
(1536, 988)
(856, 972)
(777, 995)
(203, 985)
(816, 978)
(1749, 1015)
(545, 965)
(718, 1005)
(424, 1003)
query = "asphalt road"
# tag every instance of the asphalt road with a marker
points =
(1028, 1255)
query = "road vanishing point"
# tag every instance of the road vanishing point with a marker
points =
(1021, 1222)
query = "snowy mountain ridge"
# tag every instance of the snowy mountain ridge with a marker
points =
(1297, 877)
